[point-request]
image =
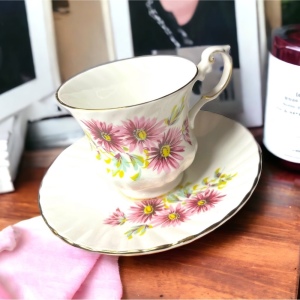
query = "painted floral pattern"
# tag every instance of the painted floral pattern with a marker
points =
(172, 216)
(165, 155)
(186, 131)
(105, 135)
(140, 143)
(145, 210)
(203, 201)
(141, 133)
(172, 209)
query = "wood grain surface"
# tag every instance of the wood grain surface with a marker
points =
(254, 255)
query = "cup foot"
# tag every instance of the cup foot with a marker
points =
(152, 192)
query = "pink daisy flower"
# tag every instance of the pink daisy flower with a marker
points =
(172, 217)
(117, 218)
(203, 201)
(141, 132)
(145, 210)
(186, 131)
(105, 135)
(165, 156)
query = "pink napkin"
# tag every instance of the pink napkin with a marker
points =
(36, 264)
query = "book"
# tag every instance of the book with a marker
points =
(12, 140)
(6, 127)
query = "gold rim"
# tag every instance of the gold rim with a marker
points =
(169, 246)
(126, 106)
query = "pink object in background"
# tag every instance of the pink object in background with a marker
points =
(36, 264)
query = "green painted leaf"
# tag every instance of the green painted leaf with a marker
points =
(175, 113)
(115, 173)
(138, 159)
(136, 176)
(172, 198)
(108, 160)
(118, 163)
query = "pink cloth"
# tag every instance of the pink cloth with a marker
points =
(35, 264)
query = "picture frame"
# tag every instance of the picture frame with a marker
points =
(43, 47)
(21, 102)
(246, 106)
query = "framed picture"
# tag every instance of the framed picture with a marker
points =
(186, 28)
(28, 63)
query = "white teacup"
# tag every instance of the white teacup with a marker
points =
(135, 112)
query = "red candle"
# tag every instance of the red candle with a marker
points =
(282, 114)
(286, 44)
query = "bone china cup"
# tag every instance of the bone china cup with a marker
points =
(136, 115)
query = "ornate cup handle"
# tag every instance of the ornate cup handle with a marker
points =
(204, 67)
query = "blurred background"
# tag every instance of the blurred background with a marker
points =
(79, 35)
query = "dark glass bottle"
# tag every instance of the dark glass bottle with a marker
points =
(282, 114)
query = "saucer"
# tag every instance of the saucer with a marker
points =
(86, 212)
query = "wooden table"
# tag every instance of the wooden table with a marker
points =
(253, 255)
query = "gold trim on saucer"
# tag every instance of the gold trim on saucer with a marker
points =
(248, 153)
(165, 247)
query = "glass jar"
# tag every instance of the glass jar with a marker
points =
(282, 111)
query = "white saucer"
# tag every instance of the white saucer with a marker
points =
(88, 213)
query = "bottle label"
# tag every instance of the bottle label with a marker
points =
(282, 112)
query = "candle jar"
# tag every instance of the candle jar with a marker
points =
(282, 111)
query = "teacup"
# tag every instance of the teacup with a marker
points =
(135, 113)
